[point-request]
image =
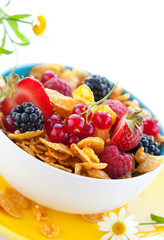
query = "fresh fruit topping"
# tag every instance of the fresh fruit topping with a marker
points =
(8, 124)
(100, 86)
(119, 163)
(50, 122)
(27, 90)
(74, 124)
(57, 133)
(151, 127)
(88, 131)
(72, 139)
(118, 107)
(102, 120)
(107, 109)
(147, 142)
(27, 117)
(48, 75)
(59, 85)
(80, 108)
(128, 131)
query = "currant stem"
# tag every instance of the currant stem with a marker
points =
(101, 100)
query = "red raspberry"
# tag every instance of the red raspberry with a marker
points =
(59, 85)
(119, 163)
(151, 127)
(118, 107)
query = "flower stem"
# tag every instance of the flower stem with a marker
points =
(151, 223)
(16, 20)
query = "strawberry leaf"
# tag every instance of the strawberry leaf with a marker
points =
(130, 124)
(156, 218)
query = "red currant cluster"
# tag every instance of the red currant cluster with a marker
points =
(79, 125)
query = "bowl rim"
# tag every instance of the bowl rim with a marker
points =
(62, 172)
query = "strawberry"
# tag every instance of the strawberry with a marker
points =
(26, 90)
(128, 131)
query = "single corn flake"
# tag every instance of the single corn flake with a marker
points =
(103, 134)
(83, 93)
(60, 167)
(96, 143)
(81, 75)
(26, 135)
(7, 203)
(91, 154)
(45, 158)
(96, 173)
(93, 218)
(58, 155)
(91, 165)
(79, 153)
(39, 212)
(60, 147)
(140, 155)
(49, 230)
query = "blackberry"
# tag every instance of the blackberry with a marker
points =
(27, 117)
(100, 86)
(149, 145)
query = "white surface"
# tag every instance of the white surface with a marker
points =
(123, 40)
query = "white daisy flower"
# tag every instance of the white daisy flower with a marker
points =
(119, 227)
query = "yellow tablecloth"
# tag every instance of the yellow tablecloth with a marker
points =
(73, 227)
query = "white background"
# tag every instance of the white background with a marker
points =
(122, 40)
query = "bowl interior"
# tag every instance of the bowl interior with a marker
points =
(24, 70)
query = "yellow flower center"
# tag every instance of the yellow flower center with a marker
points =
(39, 29)
(119, 228)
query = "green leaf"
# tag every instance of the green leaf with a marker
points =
(7, 4)
(4, 51)
(20, 16)
(14, 27)
(156, 218)
(22, 43)
(3, 39)
(2, 13)
(130, 124)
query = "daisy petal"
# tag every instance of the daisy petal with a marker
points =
(129, 219)
(113, 216)
(121, 215)
(131, 236)
(107, 236)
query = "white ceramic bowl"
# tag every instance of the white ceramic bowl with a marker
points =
(64, 191)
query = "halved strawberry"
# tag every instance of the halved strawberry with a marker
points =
(128, 130)
(26, 90)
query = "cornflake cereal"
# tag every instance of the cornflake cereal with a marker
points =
(39, 212)
(93, 218)
(49, 230)
(78, 154)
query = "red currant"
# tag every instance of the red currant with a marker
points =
(57, 133)
(75, 124)
(102, 120)
(48, 75)
(72, 139)
(50, 122)
(88, 131)
(151, 127)
(9, 124)
(80, 108)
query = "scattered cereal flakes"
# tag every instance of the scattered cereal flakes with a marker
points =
(26, 135)
(45, 158)
(72, 80)
(96, 173)
(58, 155)
(117, 91)
(21, 201)
(42, 148)
(34, 149)
(32, 141)
(83, 93)
(79, 170)
(70, 162)
(158, 138)
(49, 230)
(140, 155)
(90, 165)
(38, 71)
(81, 75)
(151, 162)
(123, 97)
(91, 154)
(60, 167)
(96, 143)
(107, 109)
(9, 205)
(39, 212)
(93, 218)
(27, 149)
(63, 105)
(60, 147)
(79, 153)
(103, 134)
